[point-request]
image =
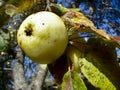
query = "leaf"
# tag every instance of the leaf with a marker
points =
(72, 81)
(77, 21)
(2, 44)
(22, 5)
(59, 68)
(102, 54)
(58, 9)
(25, 5)
(10, 9)
(94, 76)
(4, 41)
(13, 7)
(116, 40)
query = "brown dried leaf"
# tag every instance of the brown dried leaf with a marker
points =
(77, 21)
(10, 9)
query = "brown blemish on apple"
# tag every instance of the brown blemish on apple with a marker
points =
(28, 30)
(43, 23)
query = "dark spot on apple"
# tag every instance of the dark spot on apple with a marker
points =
(43, 23)
(28, 32)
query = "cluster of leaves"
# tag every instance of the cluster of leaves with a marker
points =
(95, 57)
(13, 7)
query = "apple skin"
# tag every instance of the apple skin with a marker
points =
(43, 37)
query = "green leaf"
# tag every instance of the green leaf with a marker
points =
(72, 81)
(58, 9)
(94, 76)
(13, 7)
(4, 41)
(2, 44)
(102, 54)
(10, 9)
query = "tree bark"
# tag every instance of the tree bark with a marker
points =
(18, 71)
(37, 80)
(18, 75)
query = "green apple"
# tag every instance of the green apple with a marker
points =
(43, 37)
